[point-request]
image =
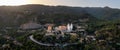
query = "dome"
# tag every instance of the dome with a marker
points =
(30, 25)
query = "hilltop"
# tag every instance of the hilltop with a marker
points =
(54, 14)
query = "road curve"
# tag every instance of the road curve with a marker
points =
(31, 37)
(63, 45)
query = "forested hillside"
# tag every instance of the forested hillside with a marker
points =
(16, 15)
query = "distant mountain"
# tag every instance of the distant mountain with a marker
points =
(14, 14)
(104, 13)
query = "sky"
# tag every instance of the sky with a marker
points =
(78, 3)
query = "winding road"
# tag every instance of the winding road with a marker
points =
(31, 37)
(56, 44)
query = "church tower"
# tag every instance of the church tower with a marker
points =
(69, 27)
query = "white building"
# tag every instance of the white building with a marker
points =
(69, 27)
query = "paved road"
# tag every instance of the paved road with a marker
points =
(31, 37)
(56, 44)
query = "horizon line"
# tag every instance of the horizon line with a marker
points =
(64, 5)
